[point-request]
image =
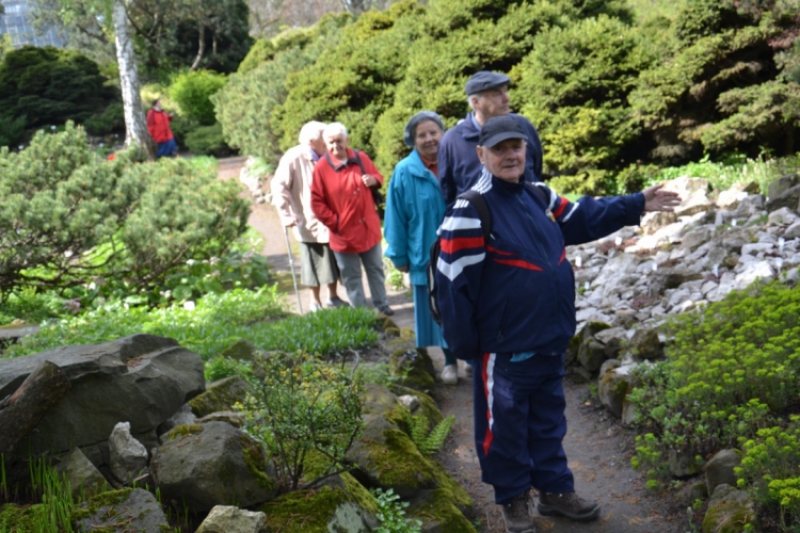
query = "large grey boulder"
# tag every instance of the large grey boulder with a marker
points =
(131, 509)
(212, 464)
(143, 379)
(230, 519)
(220, 395)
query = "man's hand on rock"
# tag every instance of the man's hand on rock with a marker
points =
(657, 199)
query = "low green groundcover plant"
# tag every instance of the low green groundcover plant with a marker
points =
(770, 468)
(730, 373)
(213, 323)
(392, 514)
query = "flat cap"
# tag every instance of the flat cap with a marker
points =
(498, 129)
(485, 80)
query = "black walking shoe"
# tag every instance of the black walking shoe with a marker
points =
(567, 504)
(386, 310)
(518, 514)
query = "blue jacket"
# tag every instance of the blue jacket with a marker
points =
(459, 166)
(414, 210)
(516, 293)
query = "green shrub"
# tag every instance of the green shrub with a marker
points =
(50, 86)
(769, 471)
(12, 130)
(354, 82)
(208, 140)
(459, 38)
(302, 407)
(110, 120)
(137, 224)
(246, 105)
(192, 92)
(574, 86)
(729, 372)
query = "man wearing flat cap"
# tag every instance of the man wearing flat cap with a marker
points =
(507, 301)
(459, 167)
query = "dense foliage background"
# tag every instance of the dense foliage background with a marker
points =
(614, 87)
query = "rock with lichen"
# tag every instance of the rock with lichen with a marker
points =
(220, 395)
(122, 510)
(212, 464)
(341, 504)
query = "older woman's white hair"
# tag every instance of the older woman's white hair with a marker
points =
(311, 131)
(333, 129)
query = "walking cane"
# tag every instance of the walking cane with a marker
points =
(291, 266)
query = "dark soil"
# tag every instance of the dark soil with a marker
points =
(598, 447)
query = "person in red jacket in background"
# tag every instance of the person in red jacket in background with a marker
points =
(158, 125)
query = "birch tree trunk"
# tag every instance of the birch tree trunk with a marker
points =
(135, 123)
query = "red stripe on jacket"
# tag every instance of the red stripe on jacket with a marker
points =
(563, 202)
(452, 246)
(518, 263)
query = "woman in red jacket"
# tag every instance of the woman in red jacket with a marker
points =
(341, 199)
(158, 126)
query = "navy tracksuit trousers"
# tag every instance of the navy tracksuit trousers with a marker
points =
(520, 423)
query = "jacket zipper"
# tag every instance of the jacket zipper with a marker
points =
(540, 238)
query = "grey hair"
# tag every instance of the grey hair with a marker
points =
(311, 131)
(469, 100)
(333, 129)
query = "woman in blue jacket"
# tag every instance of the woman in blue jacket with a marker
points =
(414, 210)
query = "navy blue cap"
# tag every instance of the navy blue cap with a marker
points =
(485, 80)
(498, 129)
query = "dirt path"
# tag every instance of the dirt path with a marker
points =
(598, 447)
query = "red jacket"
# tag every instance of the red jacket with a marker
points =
(158, 125)
(342, 202)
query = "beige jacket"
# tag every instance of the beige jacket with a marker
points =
(291, 194)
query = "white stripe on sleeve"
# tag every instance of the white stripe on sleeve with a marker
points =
(460, 223)
(454, 269)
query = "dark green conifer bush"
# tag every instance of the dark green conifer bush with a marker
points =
(721, 83)
(49, 86)
(354, 82)
(574, 86)
(246, 106)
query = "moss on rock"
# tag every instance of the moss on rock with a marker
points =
(438, 506)
(256, 460)
(305, 511)
(219, 396)
(184, 430)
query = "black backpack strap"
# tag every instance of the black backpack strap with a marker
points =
(476, 199)
(538, 191)
(358, 160)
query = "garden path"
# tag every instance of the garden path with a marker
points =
(598, 447)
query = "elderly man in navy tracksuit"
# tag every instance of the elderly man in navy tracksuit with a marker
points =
(458, 164)
(508, 303)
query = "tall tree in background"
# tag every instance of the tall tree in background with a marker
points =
(135, 126)
(167, 34)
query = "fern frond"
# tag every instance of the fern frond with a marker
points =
(435, 440)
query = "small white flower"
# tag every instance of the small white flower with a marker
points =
(101, 144)
(189, 305)
(190, 262)
(68, 254)
(53, 128)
